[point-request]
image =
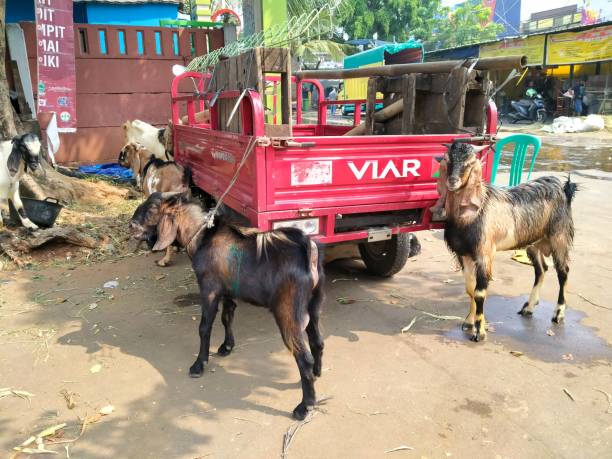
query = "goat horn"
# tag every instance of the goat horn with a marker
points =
(480, 148)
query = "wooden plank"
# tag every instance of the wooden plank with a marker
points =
(455, 99)
(274, 60)
(286, 92)
(409, 96)
(379, 117)
(424, 82)
(232, 73)
(277, 130)
(25, 112)
(257, 70)
(370, 106)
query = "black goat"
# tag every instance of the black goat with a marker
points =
(482, 219)
(281, 269)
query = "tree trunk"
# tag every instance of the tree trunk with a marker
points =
(7, 117)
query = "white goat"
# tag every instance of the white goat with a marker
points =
(157, 141)
(16, 156)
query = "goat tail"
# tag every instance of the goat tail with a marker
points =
(569, 189)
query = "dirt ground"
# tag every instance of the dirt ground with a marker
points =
(533, 389)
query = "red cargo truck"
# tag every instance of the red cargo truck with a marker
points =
(369, 190)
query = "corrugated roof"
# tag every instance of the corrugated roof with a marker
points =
(578, 28)
(123, 2)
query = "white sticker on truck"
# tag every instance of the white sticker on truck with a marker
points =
(311, 173)
(374, 170)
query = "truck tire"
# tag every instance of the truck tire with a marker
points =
(386, 258)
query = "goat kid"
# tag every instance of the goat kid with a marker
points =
(483, 219)
(154, 175)
(281, 270)
(157, 141)
(135, 157)
(16, 156)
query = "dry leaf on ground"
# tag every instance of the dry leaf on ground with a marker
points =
(399, 448)
(106, 410)
(96, 368)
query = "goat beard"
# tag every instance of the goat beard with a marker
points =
(464, 204)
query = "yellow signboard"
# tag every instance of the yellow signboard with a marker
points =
(579, 47)
(532, 47)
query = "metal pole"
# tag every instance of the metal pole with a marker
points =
(489, 63)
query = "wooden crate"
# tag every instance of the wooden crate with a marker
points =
(443, 103)
(248, 70)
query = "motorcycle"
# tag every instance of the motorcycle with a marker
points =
(532, 108)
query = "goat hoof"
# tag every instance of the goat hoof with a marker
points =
(197, 369)
(477, 337)
(301, 411)
(225, 350)
(525, 312)
(558, 319)
(466, 326)
(162, 263)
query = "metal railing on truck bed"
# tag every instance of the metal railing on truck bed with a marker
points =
(339, 187)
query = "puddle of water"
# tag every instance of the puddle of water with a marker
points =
(528, 335)
(566, 158)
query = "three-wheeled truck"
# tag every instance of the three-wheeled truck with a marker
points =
(370, 183)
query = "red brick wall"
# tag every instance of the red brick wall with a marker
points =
(113, 87)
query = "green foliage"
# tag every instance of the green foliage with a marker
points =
(310, 51)
(391, 19)
(426, 20)
(468, 24)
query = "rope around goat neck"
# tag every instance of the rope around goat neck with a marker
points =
(210, 216)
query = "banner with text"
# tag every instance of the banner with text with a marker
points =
(56, 72)
(580, 47)
(532, 47)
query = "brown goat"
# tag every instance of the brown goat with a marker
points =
(483, 219)
(135, 157)
(280, 269)
(154, 175)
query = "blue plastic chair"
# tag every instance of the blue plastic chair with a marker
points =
(521, 142)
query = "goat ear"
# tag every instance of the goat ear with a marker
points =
(13, 161)
(448, 145)
(480, 148)
(166, 232)
(469, 206)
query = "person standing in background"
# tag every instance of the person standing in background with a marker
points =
(579, 92)
(333, 96)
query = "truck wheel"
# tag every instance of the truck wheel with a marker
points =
(386, 258)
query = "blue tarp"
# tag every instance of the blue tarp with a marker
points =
(112, 170)
(377, 55)
(463, 52)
